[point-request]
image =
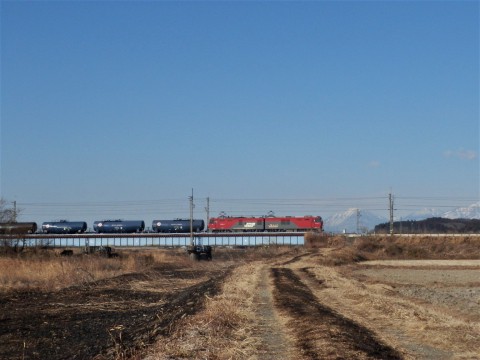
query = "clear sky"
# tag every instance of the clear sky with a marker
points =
(118, 109)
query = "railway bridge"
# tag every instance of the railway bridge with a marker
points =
(159, 240)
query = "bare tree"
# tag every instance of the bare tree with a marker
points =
(7, 213)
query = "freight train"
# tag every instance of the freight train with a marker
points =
(218, 224)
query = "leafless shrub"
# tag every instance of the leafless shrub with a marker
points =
(315, 239)
(367, 244)
(446, 247)
(344, 256)
(394, 250)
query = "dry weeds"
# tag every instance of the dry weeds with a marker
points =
(397, 247)
(48, 271)
(419, 328)
(225, 329)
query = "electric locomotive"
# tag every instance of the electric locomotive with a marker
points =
(265, 223)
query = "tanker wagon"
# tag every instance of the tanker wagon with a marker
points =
(16, 228)
(64, 227)
(119, 226)
(177, 226)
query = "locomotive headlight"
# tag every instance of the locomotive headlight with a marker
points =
(159, 223)
(99, 224)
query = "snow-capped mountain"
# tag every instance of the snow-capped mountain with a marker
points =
(423, 214)
(469, 212)
(347, 221)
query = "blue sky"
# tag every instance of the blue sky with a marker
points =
(118, 109)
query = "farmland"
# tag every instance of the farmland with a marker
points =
(365, 298)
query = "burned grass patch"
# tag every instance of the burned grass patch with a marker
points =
(320, 332)
(104, 320)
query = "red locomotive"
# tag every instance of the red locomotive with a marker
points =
(270, 223)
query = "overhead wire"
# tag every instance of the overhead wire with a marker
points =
(240, 206)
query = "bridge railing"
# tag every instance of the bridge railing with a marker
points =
(156, 240)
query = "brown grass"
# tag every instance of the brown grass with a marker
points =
(48, 271)
(419, 247)
(223, 330)
(378, 307)
(344, 250)
(315, 240)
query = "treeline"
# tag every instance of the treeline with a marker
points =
(434, 225)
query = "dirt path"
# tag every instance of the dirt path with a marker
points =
(275, 343)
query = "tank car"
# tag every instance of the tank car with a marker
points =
(64, 227)
(119, 226)
(177, 226)
(14, 228)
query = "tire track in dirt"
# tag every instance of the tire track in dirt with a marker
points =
(296, 258)
(320, 332)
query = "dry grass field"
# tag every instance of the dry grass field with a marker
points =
(366, 298)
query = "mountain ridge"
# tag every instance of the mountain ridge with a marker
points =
(355, 220)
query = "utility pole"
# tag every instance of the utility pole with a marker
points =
(207, 209)
(358, 221)
(191, 218)
(14, 211)
(390, 199)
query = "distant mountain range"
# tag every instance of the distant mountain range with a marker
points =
(469, 212)
(350, 222)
